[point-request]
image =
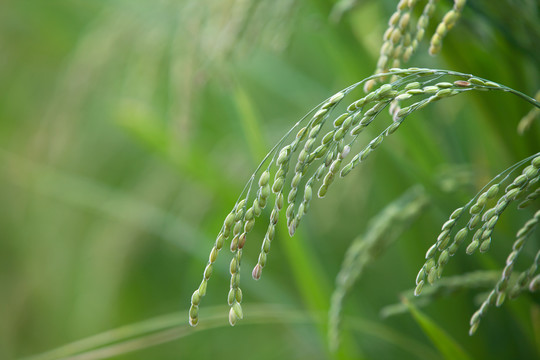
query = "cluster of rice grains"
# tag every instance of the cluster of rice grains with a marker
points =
(482, 214)
(402, 37)
(313, 154)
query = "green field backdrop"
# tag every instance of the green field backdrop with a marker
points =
(128, 129)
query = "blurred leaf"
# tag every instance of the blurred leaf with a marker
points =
(446, 345)
(173, 326)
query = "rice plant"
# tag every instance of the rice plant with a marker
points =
(323, 154)
(128, 132)
(326, 152)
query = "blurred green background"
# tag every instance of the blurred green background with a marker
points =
(128, 129)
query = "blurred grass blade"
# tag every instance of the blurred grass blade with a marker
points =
(447, 346)
(160, 330)
(173, 326)
(391, 336)
(250, 121)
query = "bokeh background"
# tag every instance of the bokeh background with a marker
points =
(128, 129)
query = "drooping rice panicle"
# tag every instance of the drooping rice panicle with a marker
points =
(283, 161)
(277, 188)
(447, 23)
(317, 166)
(433, 267)
(528, 279)
(237, 243)
(400, 41)
(258, 204)
(300, 169)
(499, 293)
(201, 290)
(514, 191)
(421, 27)
(392, 47)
